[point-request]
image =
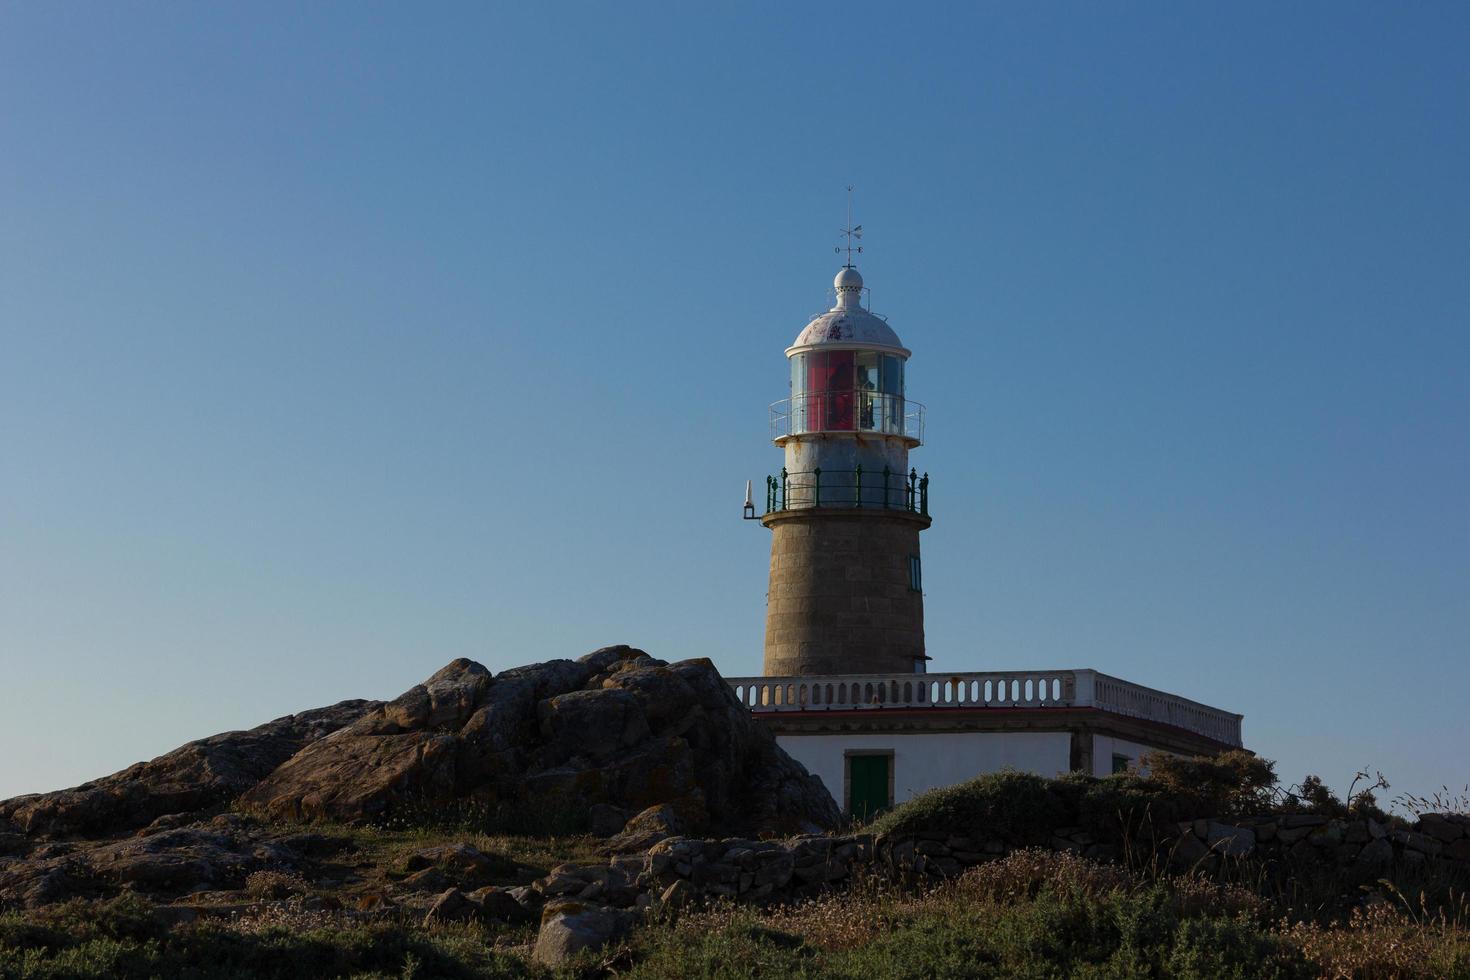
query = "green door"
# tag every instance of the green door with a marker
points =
(867, 784)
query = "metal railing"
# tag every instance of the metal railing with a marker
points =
(848, 411)
(879, 489)
(991, 689)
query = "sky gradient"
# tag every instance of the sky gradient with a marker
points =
(338, 342)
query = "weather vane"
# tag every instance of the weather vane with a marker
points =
(853, 233)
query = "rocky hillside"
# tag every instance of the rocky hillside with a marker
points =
(611, 736)
(616, 728)
(191, 778)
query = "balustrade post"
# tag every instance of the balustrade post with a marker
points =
(924, 495)
(909, 502)
(817, 487)
(783, 488)
(887, 473)
(858, 486)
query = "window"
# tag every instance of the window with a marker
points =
(916, 575)
(892, 375)
(1120, 763)
(829, 391)
(867, 385)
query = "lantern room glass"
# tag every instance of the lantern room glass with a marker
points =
(846, 391)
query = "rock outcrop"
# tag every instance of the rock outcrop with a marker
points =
(190, 778)
(616, 727)
(219, 853)
(612, 735)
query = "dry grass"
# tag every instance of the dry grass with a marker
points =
(865, 926)
(1383, 941)
(275, 884)
(851, 918)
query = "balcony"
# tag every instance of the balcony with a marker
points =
(993, 689)
(848, 411)
(857, 488)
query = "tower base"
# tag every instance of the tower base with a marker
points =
(845, 596)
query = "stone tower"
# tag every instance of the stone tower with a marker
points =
(846, 510)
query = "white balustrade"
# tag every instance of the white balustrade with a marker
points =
(993, 689)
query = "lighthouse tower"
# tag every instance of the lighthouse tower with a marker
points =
(846, 509)
(845, 688)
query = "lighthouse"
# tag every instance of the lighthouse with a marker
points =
(845, 511)
(847, 689)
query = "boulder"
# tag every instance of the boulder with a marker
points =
(648, 828)
(164, 865)
(604, 820)
(1187, 853)
(614, 733)
(465, 862)
(616, 728)
(1229, 840)
(1437, 826)
(191, 778)
(451, 906)
(567, 928)
(499, 905)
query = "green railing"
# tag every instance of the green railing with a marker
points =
(878, 489)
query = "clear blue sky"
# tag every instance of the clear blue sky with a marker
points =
(341, 340)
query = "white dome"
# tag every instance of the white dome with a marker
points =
(848, 278)
(847, 324)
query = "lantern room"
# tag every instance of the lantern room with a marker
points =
(847, 373)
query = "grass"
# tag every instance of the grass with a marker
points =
(1032, 914)
(123, 938)
(1041, 914)
(368, 859)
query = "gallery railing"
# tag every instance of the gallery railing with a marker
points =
(879, 489)
(848, 411)
(991, 689)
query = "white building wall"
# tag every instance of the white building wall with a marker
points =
(926, 761)
(1104, 747)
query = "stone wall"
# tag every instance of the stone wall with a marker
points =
(682, 869)
(839, 600)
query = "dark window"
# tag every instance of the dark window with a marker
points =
(1120, 763)
(916, 575)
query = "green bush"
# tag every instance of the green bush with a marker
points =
(1231, 784)
(1020, 806)
(1027, 809)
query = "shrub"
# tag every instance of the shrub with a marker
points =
(1231, 784)
(1219, 947)
(1025, 808)
(275, 884)
(1028, 872)
(1019, 806)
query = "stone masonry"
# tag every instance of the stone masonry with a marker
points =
(840, 600)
